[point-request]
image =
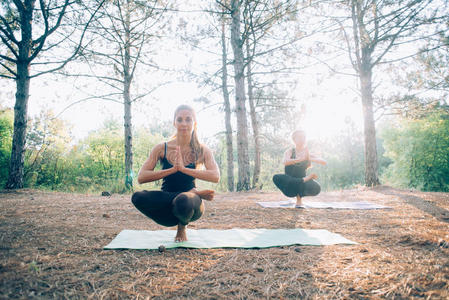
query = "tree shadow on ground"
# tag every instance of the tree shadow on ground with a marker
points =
(439, 213)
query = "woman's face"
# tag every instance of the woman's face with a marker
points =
(184, 121)
(299, 138)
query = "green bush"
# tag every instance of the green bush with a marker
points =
(419, 150)
(6, 132)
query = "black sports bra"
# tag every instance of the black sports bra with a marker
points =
(176, 182)
(297, 170)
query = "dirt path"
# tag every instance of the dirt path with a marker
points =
(51, 247)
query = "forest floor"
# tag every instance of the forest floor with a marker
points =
(51, 247)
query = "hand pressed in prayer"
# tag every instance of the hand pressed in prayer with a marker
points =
(303, 155)
(179, 163)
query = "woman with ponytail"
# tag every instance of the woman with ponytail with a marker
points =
(179, 202)
(297, 159)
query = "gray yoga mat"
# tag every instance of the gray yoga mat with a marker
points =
(314, 204)
(231, 238)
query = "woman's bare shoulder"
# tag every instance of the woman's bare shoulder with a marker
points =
(161, 145)
(206, 153)
(158, 149)
(204, 147)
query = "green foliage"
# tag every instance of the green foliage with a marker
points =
(45, 160)
(104, 155)
(144, 140)
(6, 132)
(94, 164)
(419, 150)
(416, 155)
(97, 162)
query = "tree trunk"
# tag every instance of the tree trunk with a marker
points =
(15, 179)
(254, 122)
(128, 138)
(371, 178)
(242, 126)
(227, 107)
(127, 105)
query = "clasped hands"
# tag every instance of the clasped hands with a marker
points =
(179, 163)
(304, 155)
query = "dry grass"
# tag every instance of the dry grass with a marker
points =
(51, 247)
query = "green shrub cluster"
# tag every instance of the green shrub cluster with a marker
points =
(416, 155)
(419, 151)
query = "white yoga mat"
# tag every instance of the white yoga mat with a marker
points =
(231, 238)
(336, 205)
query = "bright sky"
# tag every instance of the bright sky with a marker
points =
(332, 105)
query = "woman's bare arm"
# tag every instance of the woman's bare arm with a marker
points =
(317, 160)
(147, 172)
(291, 161)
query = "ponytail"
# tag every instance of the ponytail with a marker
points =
(196, 145)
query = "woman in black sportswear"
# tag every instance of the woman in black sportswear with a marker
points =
(297, 159)
(178, 202)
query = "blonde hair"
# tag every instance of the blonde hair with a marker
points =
(194, 141)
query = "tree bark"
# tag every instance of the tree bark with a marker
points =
(227, 108)
(128, 138)
(371, 163)
(240, 99)
(127, 105)
(16, 167)
(254, 122)
(364, 48)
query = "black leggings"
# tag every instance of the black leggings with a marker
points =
(167, 208)
(291, 186)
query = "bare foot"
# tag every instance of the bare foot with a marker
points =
(311, 176)
(298, 202)
(205, 194)
(181, 235)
